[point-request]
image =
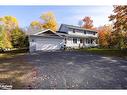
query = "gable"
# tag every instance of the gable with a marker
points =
(47, 32)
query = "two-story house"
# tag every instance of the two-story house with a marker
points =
(77, 37)
(68, 36)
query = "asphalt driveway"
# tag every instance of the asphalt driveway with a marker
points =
(64, 70)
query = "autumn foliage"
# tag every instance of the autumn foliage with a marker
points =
(88, 23)
(11, 36)
(104, 35)
(48, 21)
(119, 19)
(110, 36)
(114, 35)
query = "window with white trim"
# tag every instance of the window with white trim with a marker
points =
(81, 40)
(75, 40)
(32, 40)
(88, 41)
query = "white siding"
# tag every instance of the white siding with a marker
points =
(71, 44)
(77, 33)
(86, 44)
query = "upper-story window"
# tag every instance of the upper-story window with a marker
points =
(84, 32)
(74, 30)
(78, 30)
(70, 29)
(91, 32)
(75, 40)
(94, 33)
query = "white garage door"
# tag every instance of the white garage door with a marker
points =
(49, 44)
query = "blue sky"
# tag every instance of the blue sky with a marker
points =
(64, 14)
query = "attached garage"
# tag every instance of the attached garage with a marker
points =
(45, 41)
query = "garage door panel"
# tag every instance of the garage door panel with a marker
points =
(49, 44)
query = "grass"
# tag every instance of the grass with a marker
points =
(107, 52)
(15, 72)
(12, 53)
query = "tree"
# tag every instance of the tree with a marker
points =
(18, 38)
(104, 33)
(88, 23)
(4, 40)
(49, 21)
(9, 22)
(36, 26)
(119, 19)
(10, 34)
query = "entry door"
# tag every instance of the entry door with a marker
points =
(81, 42)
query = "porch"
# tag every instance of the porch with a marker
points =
(75, 42)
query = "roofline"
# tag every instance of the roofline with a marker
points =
(60, 27)
(77, 27)
(45, 31)
(60, 37)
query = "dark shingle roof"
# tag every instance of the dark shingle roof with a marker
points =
(75, 27)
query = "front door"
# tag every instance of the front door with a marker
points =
(81, 42)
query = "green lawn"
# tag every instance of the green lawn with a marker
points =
(10, 55)
(15, 72)
(107, 52)
(13, 53)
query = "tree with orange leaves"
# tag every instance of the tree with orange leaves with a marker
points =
(104, 33)
(119, 19)
(88, 23)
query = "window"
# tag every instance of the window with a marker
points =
(90, 32)
(96, 41)
(81, 40)
(32, 40)
(94, 33)
(70, 29)
(91, 41)
(73, 30)
(74, 40)
(78, 30)
(84, 32)
(65, 40)
(88, 41)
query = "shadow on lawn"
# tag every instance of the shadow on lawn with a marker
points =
(16, 74)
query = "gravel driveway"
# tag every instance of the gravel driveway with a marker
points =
(64, 70)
